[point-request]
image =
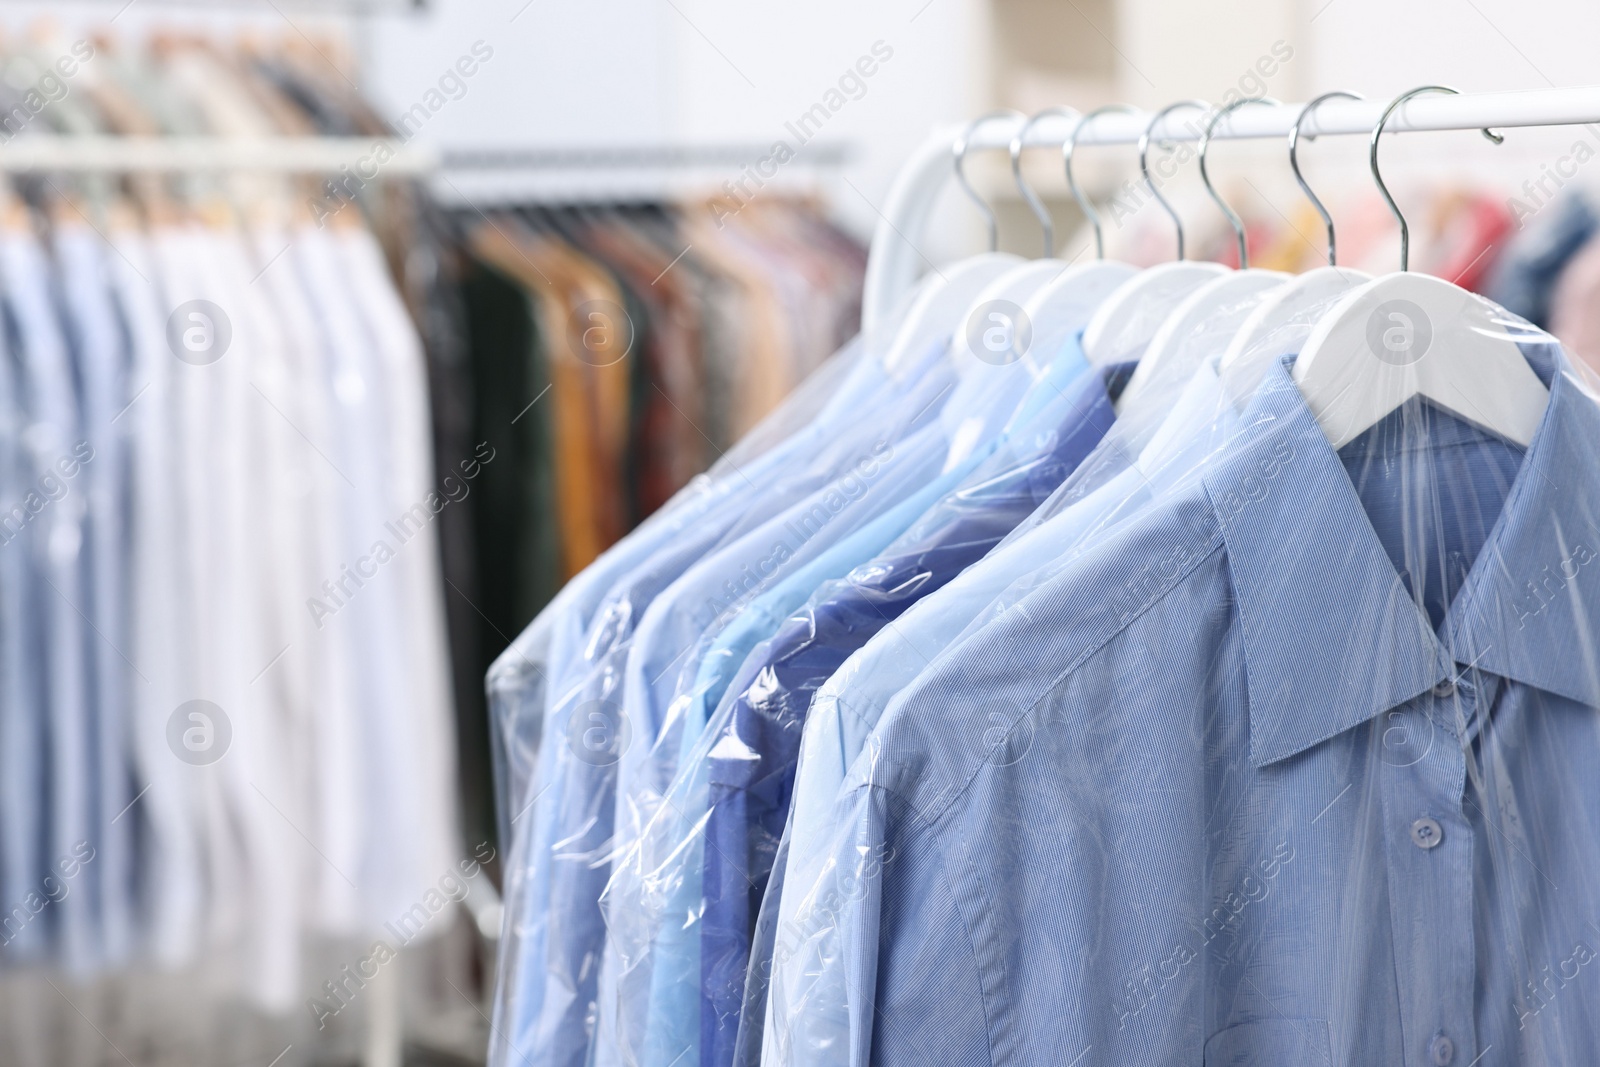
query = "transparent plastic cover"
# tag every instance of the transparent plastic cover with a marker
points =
(1130, 729)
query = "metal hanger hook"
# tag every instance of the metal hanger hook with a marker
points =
(1040, 212)
(1205, 146)
(1377, 132)
(1294, 165)
(1067, 149)
(959, 154)
(1144, 160)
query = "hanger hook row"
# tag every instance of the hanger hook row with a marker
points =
(1036, 205)
(1377, 132)
(1205, 176)
(1144, 160)
(1294, 164)
(958, 152)
(1068, 148)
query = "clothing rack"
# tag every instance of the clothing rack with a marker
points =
(893, 263)
(383, 1040)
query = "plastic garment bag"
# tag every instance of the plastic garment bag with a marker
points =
(1128, 471)
(653, 953)
(650, 983)
(1294, 766)
(564, 820)
(751, 749)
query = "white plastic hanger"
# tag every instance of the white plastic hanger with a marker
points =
(1064, 304)
(1129, 317)
(940, 308)
(997, 312)
(1217, 304)
(1268, 334)
(1406, 335)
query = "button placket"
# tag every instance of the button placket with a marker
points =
(1428, 848)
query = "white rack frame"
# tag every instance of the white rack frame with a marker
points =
(892, 264)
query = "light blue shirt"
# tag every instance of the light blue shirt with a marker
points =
(1297, 767)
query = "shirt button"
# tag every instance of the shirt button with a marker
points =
(1442, 1051)
(1444, 689)
(1426, 833)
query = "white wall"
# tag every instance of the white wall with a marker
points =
(618, 72)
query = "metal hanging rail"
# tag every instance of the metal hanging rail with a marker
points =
(579, 174)
(369, 158)
(635, 157)
(892, 265)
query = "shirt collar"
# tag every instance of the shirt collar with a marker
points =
(1332, 637)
